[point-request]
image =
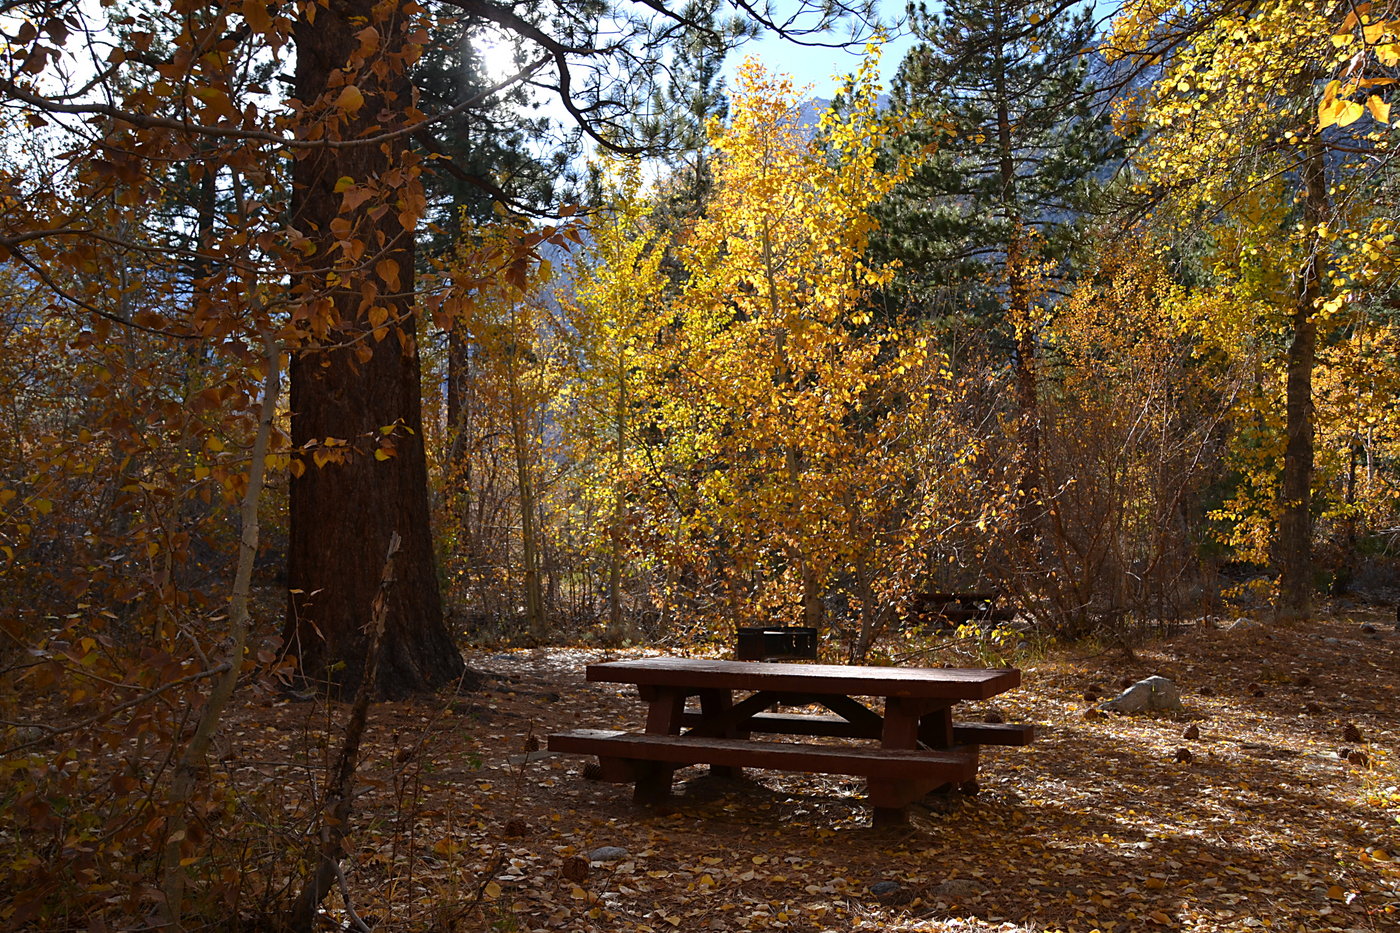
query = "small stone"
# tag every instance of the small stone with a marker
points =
(574, 869)
(1331, 641)
(1369, 629)
(955, 888)
(890, 892)
(1183, 755)
(607, 854)
(1350, 733)
(1191, 733)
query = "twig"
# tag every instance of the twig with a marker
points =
(355, 920)
(340, 795)
(191, 763)
(51, 731)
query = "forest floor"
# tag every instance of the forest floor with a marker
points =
(1096, 825)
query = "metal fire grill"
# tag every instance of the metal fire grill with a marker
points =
(776, 643)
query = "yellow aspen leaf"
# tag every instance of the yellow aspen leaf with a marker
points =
(1336, 893)
(350, 100)
(343, 184)
(1380, 109)
(42, 506)
(493, 890)
(1351, 112)
(381, 453)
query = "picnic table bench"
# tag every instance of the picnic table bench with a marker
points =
(920, 747)
(954, 609)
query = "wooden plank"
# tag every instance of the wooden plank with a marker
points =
(827, 679)
(964, 733)
(800, 724)
(987, 733)
(946, 765)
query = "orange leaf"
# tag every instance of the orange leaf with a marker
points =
(350, 100)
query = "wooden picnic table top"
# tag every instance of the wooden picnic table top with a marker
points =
(937, 683)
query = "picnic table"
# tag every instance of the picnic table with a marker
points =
(954, 609)
(920, 746)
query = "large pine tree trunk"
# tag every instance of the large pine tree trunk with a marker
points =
(1295, 525)
(348, 384)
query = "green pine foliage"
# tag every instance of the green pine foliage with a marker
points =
(1004, 91)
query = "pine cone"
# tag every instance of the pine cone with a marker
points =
(1183, 755)
(574, 869)
(1192, 732)
(1351, 733)
(1359, 758)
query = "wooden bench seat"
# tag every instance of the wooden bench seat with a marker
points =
(895, 777)
(964, 733)
(683, 750)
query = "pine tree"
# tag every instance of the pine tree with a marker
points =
(986, 227)
(1008, 97)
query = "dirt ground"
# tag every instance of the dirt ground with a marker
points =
(1103, 823)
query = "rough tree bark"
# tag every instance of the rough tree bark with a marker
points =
(1295, 527)
(349, 383)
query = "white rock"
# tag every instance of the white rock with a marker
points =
(607, 854)
(1154, 693)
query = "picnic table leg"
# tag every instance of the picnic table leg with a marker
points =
(936, 728)
(664, 708)
(715, 703)
(653, 782)
(911, 721)
(890, 817)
